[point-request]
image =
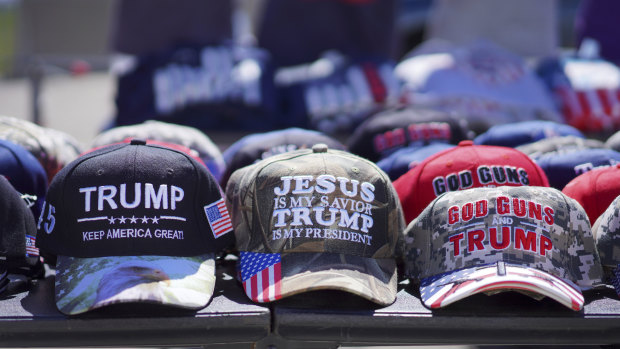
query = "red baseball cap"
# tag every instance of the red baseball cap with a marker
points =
(595, 190)
(463, 167)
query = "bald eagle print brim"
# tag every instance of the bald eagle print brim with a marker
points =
(83, 284)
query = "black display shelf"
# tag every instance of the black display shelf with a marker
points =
(322, 319)
(29, 318)
(507, 318)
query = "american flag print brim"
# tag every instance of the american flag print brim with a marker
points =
(442, 290)
(218, 217)
(261, 275)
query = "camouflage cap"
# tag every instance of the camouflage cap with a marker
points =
(315, 219)
(530, 239)
(54, 149)
(606, 232)
(153, 130)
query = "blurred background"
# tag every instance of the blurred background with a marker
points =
(56, 55)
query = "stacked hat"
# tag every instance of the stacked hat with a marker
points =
(134, 223)
(595, 190)
(519, 133)
(52, 148)
(258, 146)
(315, 219)
(25, 173)
(174, 146)
(18, 232)
(559, 145)
(480, 80)
(335, 92)
(585, 90)
(606, 230)
(533, 240)
(404, 159)
(390, 130)
(463, 167)
(613, 142)
(187, 136)
(561, 168)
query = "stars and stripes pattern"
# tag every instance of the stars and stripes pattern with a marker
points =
(261, 275)
(31, 250)
(218, 217)
(444, 289)
(590, 110)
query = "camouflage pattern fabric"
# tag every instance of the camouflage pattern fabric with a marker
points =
(187, 136)
(54, 149)
(250, 195)
(540, 228)
(606, 231)
(332, 218)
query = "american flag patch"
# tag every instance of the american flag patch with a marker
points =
(31, 250)
(261, 275)
(218, 217)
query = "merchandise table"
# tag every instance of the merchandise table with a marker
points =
(28, 317)
(323, 319)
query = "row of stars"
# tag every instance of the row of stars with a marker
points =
(134, 219)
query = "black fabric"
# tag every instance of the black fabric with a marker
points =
(128, 200)
(299, 31)
(146, 26)
(216, 86)
(393, 129)
(17, 224)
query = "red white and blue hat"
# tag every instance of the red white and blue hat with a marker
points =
(533, 240)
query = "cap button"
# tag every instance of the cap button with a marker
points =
(319, 148)
(137, 142)
(466, 143)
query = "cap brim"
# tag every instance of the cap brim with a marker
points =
(83, 284)
(439, 291)
(372, 279)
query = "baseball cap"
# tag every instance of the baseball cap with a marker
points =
(613, 142)
(153, 130)
(519, 133)
(315, 219)
(404, 159)
(463, 167)
(18, 233)
(134, 223)
(52, 148)
(606, 231)
(25, 173)
(392, 129)
(561, 168)
(174, 146)
(559, 145)
(595, 190)
(258, 146)
(533, 240)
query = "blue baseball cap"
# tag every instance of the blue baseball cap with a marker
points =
(563, 167)
(404, 159)
(519, 133)
(25, 173)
